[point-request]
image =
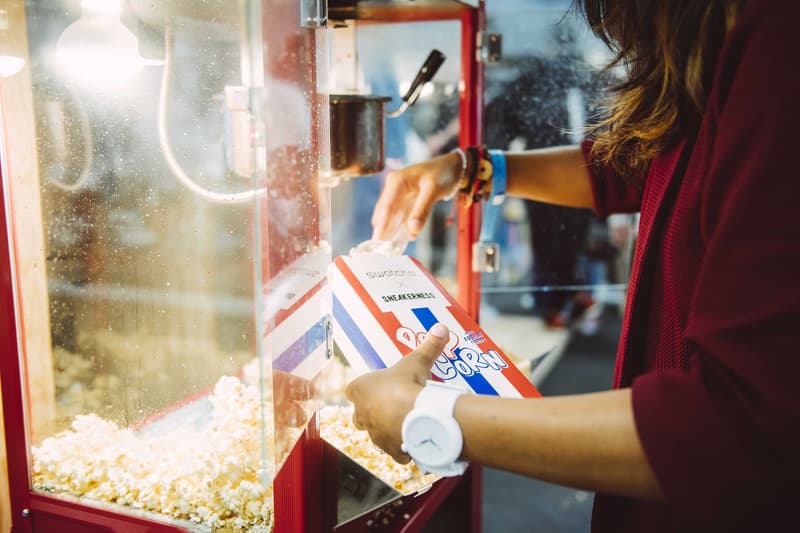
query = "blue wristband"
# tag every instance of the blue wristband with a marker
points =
(491, 211)
(499, 177)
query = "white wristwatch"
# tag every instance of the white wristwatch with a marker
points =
(431, 435)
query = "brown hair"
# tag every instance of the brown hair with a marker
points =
(668, 50)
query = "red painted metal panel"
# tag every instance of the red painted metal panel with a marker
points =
(298, 486)
(476, 498)
(46, 522)
(79, 517)
(313, 494)
(469, 219)
(471, 133)
(13, 408)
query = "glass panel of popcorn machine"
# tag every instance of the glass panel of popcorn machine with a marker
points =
(161, 163)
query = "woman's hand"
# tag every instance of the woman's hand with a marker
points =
(383, 398)
(410, 193)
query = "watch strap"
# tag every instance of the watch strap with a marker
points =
(453, 469)
(440, 397)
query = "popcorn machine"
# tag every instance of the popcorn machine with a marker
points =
(166, 232)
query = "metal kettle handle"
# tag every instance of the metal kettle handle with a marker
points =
(424, 75)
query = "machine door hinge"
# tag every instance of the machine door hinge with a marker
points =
(329, 337)
(489, 47)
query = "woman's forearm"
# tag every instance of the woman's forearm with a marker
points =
(587, 441)
(556, 175)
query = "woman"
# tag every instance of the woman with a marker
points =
(703, 428)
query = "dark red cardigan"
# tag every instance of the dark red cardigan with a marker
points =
(710, 343)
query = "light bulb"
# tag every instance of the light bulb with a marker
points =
(97, 48)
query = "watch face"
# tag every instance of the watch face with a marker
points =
(428, 441)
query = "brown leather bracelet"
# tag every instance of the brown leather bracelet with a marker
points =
(468, 181)
(462, 177)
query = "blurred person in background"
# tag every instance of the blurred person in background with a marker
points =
(701, 432)
(535, 110)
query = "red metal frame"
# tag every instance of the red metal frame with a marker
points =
(73, 517)
(298, 497)
(13, 409)
(470, 134)
(469, 218)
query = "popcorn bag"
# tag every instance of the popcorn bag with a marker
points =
(383, 305)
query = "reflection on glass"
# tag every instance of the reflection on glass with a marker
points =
(171, 240)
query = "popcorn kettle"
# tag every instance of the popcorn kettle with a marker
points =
(357, 124)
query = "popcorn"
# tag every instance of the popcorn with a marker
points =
(336, 427)
(211, 476)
